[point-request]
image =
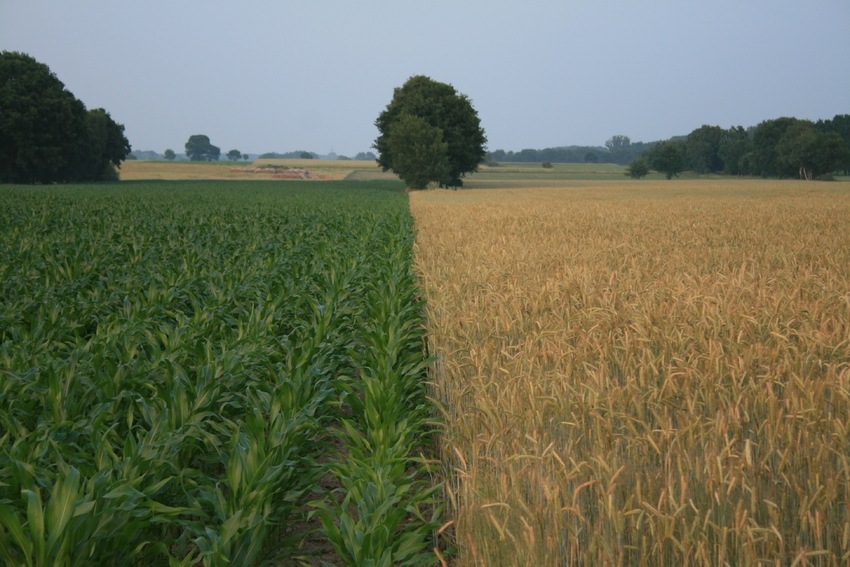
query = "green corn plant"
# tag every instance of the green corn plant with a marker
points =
(382, 520)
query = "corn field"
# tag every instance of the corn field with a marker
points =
(642, 374)
(182, 364)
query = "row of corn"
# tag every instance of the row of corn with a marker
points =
(181, 366)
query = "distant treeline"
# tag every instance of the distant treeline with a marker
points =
(618, 149)
(303, 154)
(781, 147)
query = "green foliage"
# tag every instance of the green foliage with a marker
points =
(668, 158)
(637, 169)
(703, 149)
(234, 155)
(387, 517)
(619, 150)
(789, 147)
(298, 154)
(763, 159)
(618, 143)
(167, 392)
(811, 152)
(443, 109)
(169, 155)
(105, 149)
(199, 148)
(839, 124)
(782, 147)
(420, 154)
(46, 135)
(734, 145)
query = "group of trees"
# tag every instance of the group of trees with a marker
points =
(618, 149)
(199, 148)
(781, 147)
(46, 134)
(298, 154)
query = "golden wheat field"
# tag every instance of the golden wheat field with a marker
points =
(642, 373)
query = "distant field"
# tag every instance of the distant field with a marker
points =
(509, 171)
(642, 372)
(180, 170)
(505, 175)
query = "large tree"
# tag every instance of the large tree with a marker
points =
(46, 135)
(442, 108)
(199, 148)
(43, 127)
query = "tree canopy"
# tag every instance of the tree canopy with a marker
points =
(638, 168)
(421, 111)
(46, 133)
(702, 147)
(668, 158)
(199, 148)
(420, 152)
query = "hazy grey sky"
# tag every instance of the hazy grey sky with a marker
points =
(264, 76)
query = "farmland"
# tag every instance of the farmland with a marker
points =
(234, 372)
(209, 372)
(642, 373)
(241, 171)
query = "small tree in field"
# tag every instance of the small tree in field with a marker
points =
(638, 168)
(169, 154)
(234, 155)
(668, 158)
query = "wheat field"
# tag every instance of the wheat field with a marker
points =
(642, 373)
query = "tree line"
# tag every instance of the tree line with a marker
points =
(784, 147)
(781, 148)
(46, 134)
(618, 149)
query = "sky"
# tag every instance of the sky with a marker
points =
(278, 76)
